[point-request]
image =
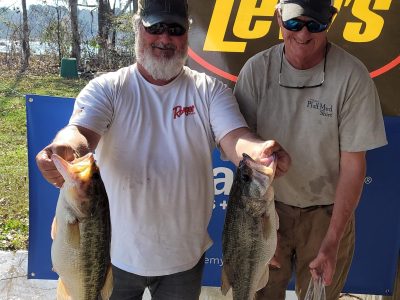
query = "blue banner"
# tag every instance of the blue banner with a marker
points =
(374, 265)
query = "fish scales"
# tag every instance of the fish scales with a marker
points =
(81, 233)
(249, 236)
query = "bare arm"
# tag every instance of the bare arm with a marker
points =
(242, 140)
(348, 192)
(70, 142)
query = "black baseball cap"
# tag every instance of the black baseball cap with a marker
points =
(320, 10)
(165, 11)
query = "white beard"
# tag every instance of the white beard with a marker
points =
(160, 68)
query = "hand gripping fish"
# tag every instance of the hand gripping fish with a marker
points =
(81, 232)
(250, 231)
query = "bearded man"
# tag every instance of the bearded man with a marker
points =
(154, 125)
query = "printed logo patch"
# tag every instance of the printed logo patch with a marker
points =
(324, 109)
(178, 111)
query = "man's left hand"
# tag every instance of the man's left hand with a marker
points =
(324, 264)
(283, 158)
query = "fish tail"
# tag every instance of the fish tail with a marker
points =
(225, 282)
(62, 293)
(106, 291)
(54, 228)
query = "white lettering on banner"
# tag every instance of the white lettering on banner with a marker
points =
(368, 180)
(214, 261)
(222, 185)
(223, 204)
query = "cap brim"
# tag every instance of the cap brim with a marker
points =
(164, 18)
(293, 10)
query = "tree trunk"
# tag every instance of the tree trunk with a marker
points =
(128, 4)
(114, 29)
(26, 52)
(76, 48)
(104, 11)
(58, 11)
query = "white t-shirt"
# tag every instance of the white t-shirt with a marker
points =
(155, 161)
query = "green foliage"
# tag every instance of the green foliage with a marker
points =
(57, 34)
(124, 27)
(13, 149)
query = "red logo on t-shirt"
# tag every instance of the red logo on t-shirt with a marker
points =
(179, 111)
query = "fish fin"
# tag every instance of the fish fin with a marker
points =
(53, 229)
(225, 282)
(263, 279)
(73, 235)
(106, 291)
(266, 226)
(270, 221)
(277, 220)
(62, 293)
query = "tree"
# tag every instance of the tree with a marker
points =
(56, 35)
(76, 47)
(58, 30)
(104, 25)
(109, 20)
(25, 38)
(127, 6)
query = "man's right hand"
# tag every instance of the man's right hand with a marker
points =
(46, 165)
(70, 142)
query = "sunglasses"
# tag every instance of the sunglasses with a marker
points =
(297, 25)
(171, 29)
(302, 86)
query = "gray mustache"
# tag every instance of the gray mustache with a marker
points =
(163, 46)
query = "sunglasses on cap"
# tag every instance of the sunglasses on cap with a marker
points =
(171, 29)
(297, 25)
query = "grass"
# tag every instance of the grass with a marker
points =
(13, 148)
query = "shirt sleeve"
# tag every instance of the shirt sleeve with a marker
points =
(225, 115)
(93, 107)
(245, 93)
(361, 124)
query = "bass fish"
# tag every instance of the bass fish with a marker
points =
(81, 232)
(249, 236)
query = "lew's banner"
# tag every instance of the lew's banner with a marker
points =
(226, 33)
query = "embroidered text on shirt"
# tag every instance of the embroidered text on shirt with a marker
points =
(179, 111)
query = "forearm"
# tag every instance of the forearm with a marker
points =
(240, 141)
(348, 192)
(79, 139)
(71, 137)
(70, 142)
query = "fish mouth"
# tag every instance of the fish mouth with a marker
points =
(78, 170)
(77, 186)
(267, 169)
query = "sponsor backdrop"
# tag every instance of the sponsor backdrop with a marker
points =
(378, 225)
(224, 34)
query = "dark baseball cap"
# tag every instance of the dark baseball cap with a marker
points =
(320, 10)
(165, 11)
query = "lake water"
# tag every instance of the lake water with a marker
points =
(36, 47)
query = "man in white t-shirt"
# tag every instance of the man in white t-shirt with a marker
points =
(154, 126)
(320, 103)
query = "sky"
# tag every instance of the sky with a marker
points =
(17, 3)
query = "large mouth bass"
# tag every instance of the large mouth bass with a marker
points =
(250, 230)
(81, 232)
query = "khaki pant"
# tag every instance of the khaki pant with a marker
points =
(301, 231)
